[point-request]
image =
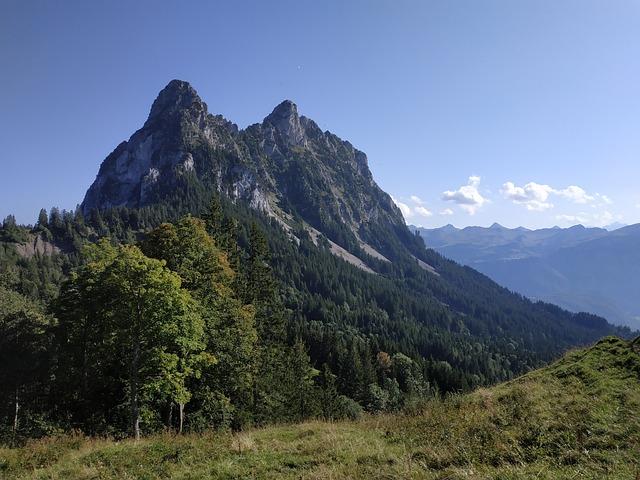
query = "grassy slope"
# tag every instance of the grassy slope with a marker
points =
(578, 418)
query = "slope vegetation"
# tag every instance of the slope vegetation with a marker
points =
(578, 418)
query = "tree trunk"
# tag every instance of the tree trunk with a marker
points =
(15, 415)
(135, 367)
(169, 419)
(135, 401)
(181, 410)
(86, 407)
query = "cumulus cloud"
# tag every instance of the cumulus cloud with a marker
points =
(600, 201)
(533, 195)
(578, 218)
(404, 208)
(423, 211)
(411, 208)
(536, 196)
(467, 197)
(446, 211)
(575, 194)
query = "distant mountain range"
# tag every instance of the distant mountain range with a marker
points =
(581, 269)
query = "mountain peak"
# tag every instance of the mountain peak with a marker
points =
(177, 95)
(286, 121)
(285, 109)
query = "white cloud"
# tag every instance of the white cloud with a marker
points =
(605, 200)
(575, 194)
(409, 211)
(533, 195)
(467, 196)
(446, 211)
(605, 218)
(579, 218)
(404, 208)
(536, 196)
(423, 211)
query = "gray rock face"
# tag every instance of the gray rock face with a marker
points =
(36, 245)
(158, 154)
(286, 162)
(175, 98)
(285, 122)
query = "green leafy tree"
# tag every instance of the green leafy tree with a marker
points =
(24, 359)
(140, 319)
(223, 393)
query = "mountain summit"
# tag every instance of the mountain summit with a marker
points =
(282, 166)
(286, 121)
(174, 98)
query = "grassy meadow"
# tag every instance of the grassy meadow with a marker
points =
(578, 418)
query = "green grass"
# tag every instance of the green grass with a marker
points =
(576, 419)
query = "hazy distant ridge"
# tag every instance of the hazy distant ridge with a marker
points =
(578, 268)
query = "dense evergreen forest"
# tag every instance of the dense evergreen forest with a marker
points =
(140, 320)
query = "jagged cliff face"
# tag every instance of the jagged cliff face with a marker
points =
(284, 164)
(159, 155)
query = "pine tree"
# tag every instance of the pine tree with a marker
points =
(214, 217)
(303, 402)
(269, 388)
(43, 219)
(329, 393)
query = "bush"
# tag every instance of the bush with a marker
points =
(348, 408)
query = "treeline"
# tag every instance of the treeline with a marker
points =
(184, 329)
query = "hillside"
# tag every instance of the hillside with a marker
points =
(577, 418)
(578, 268)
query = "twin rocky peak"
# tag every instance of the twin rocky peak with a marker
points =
(285, 163)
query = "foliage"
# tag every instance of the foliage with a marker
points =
(129, 334)
(25, 354)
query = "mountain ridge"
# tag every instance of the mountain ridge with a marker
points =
(578, 268)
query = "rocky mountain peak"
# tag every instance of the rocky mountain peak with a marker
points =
(286, 121)
(287, 160)
(177, 96)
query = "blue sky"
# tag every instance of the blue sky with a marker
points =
(521, 112)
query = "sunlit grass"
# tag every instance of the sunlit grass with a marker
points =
(577, 419)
